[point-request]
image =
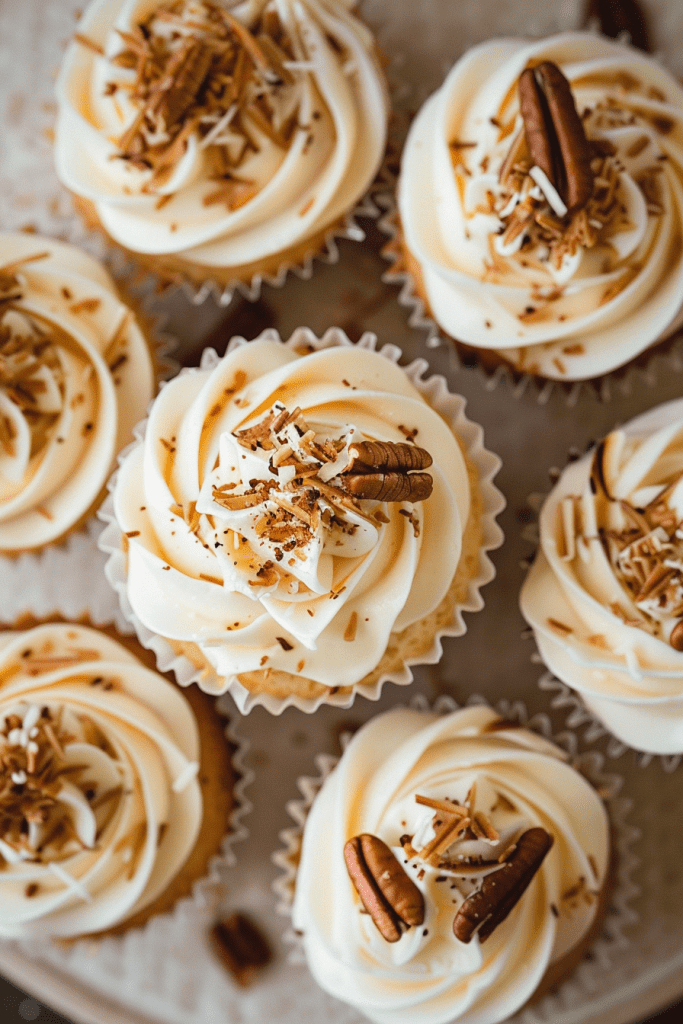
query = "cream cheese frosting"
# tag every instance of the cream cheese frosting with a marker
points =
(243, 536)
(503, 264)
(509, 780)
(220, 132)
(101, 805)
(76, 375)
(605, 593)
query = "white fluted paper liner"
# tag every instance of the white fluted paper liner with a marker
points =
(326, 252)
(452, 409)
(651, 365)
(65, 578)
(583, 985)
(564, 696)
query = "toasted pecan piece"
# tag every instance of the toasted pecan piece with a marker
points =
(390, 897)
(241, 947)
(369, 456)
(676, 638)
(485, 909)
(555, 134)
(387, 486)
(384, 471)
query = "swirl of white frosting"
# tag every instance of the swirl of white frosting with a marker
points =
(100, 801)
(594, 290)
(306, 582)
(249, 178)
(517, 781)
(605, 593)
(76, 374)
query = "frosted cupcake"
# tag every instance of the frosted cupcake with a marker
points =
(450, 866)
(300, 524)
(115, 791)
(540, 203)
(76, 374)
(605, 593)
(220, 141)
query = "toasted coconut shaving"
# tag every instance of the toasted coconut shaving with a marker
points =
(213, 78)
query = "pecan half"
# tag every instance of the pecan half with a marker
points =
(241, 947)
(369, 456)
(185, 76)
(676, 638)
(554, 132)
(387, 486)
(619, 17)
(390, 897)
(485, 909)
(384, 471)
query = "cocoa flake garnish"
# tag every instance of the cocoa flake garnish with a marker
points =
(485, 909)
(555, 134)
(390, 897)
(241, 947)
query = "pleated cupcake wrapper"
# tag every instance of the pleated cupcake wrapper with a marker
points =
(582, 986)
(66, 578)
(563, 697)
(451, 407)
(650, 366)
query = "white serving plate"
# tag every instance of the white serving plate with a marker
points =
(166, 973)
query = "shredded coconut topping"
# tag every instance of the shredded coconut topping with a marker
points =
(191, 69)
(49, 808)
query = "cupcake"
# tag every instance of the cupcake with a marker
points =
(540, 205)
(76, 374)
(116, 790)
(605, 593)
(220, 142)
(301, 521)
(452, 867)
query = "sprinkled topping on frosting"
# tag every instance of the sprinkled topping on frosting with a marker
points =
(49, 808)
(191, 67)
(643, 543)
(224, 132)
(560, 186)
(31, 378)
(75, 375)
(299, 492)
(543, 207)
(604, 595)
